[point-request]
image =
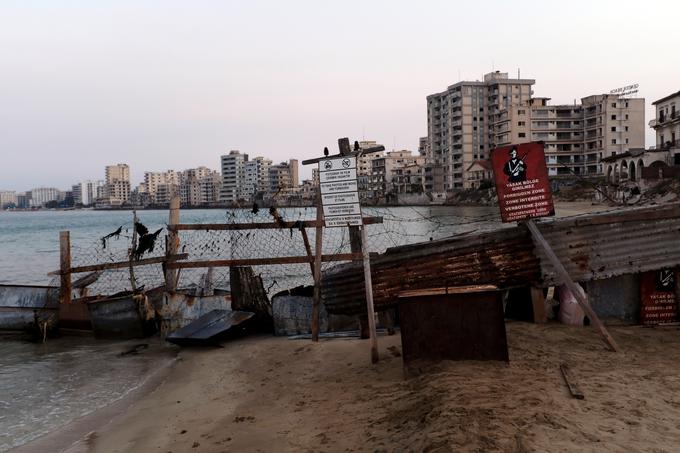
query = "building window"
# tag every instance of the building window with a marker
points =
(614, 104)
(613, 117)
(521, 135)
(521, 123)
(626, 141)
(626, 116)
(520, 112)
(613, 141)
(613, 128)
(626, 128)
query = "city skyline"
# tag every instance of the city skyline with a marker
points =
(172, 85)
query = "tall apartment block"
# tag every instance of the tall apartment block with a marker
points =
(117, 184)
(459, 125)
(233, 176)
(86, 192)
(8, 198)
(576, 136)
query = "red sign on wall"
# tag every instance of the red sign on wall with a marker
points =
(657, 297)
(522, 182)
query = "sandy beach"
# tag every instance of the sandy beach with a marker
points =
(268, 394)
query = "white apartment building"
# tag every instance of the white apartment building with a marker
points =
(86, 192)
(257, 176)
(40, 196)
(199, 186)
(233, 176)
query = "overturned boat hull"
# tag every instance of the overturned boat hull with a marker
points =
(121, 317)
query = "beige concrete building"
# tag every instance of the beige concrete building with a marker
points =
(161, 185)
(283, 179)
(459, 124)
(8, 198)
(396, 172)
(666, 124)
(257, 177)
(117, 189)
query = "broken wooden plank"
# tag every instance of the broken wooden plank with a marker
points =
(447, 290)
(571, 382)
(122, 264)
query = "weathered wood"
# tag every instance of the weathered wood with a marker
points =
(65, 267)
(369, 296)
(308, 249)
(571, 383)
(318, 258)
(248, 294)
(172, 244)
(538, 304)
(262, 261)
(258, 225)
(447, 290)
(131, 268)
(123, 264)
(575, 289)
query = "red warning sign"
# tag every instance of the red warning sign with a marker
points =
(657, 297)
(522, 182)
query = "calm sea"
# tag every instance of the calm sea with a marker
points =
(45, 386)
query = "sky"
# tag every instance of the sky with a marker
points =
(175, 84)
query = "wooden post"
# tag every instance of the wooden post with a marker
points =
(575, 289)
(133, 280)
(65, 266)
(538, 302)
(317, 269)
(172, 245)
(369, 295)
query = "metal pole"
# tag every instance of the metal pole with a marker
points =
(369, 295)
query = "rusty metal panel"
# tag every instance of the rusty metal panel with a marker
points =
(178, 310)
(610, 244)
(19, 302)
(504, 258)
(209, 326)
(453, 326)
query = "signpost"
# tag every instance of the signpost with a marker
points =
(341, 208)
(339, 192)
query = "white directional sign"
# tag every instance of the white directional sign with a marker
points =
(339, 192)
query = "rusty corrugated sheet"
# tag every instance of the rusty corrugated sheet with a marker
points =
(504, 258)
(594, 246)
(599, 246)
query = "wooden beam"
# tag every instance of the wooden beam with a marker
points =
(538, 303)
(369, 296)
(374, 149)
(257, 226)
(308, 249)
(575, 289)
(318, 257)
(571, 383)
(172, 244)
(122, 264)
(263, 261)
(65, 267)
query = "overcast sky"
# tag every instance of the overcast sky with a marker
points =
(172, 85)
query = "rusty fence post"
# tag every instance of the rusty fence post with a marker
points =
(172, 245)
(317, 268)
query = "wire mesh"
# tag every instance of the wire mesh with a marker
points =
(400, 226)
